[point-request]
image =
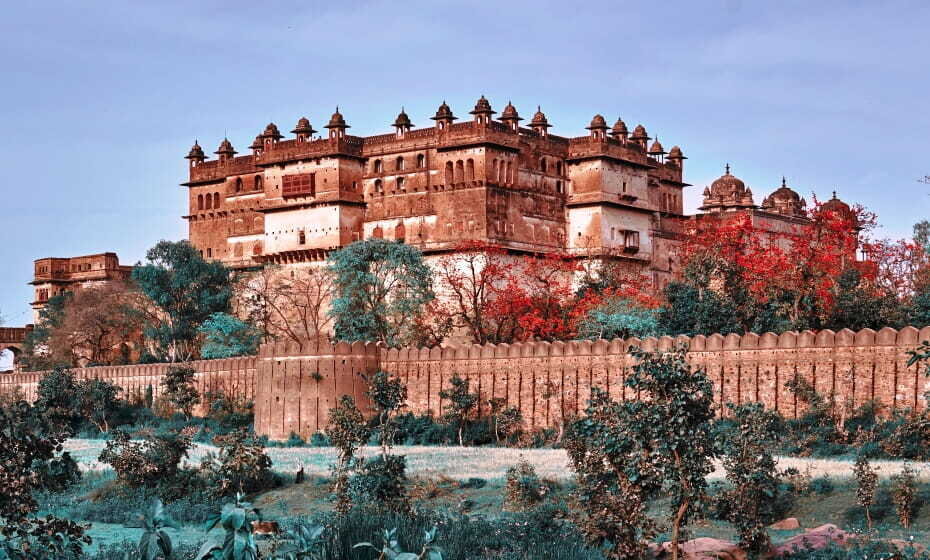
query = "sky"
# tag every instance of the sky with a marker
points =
(100, 101)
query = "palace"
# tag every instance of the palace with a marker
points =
(53, 276)
(609, 192)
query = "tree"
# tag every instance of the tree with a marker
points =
(858, 306)
(381, 286)
(673, 427)
(461, 404)
(36, 354)
(97, 401)
(348, 431)
(388, 395)
(867, 479)
(56, 395)
(186, 289)
(618, 317)
(226, 336)
(179, 390)
(751, 471)
(292, 305)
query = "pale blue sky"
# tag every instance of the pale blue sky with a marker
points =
(101, 100)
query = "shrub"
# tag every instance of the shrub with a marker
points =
(379, 482)
(388, 395)
(866, 479)
(241, 466)
(524, 490)
(348, 431)
(154, 462)
(904, 495)
(461, 405)
(822, 485)
(237, 541)
(179, 391)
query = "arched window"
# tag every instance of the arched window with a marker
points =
(558, 187)
(449, 177)
(400, 232)
(470, 170)
(459, 171)
(399, 164)
(379, 167)
(209, 203)
(379, 186)
(199, 202)
(238, 184)
(501, 179)
(509, 172)
(543, 166)
(257, 223)
(558, 168)
(302, 238)
(216, 200)
(421, 161)
(377, 233)
(400, 183)
(258, 183)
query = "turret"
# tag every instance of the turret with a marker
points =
(482, 111)
(271, 135)
(540, 124)
(676, 157)
(303, 130)
(656, 150)
(257, 146)
(511, 118)
(337, 126)
(444, 116)
(225, 151)
(598, 128)
(640, 137)
(196, 156)
(402, 123)
(619, 132)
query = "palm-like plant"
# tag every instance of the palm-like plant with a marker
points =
(303, 543)
(238, 542)
(390, 549)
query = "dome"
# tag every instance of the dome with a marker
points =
(271, 131)
(303, 127)
(196, 152)
(444, 112)
(727, 184)
(402, 119)
(482, 107)
(639, 133)
(656, 148)
(675, 153)
(510, 113)
(257, 143)
(225, 148)
(785, 200)
(337, 120)
(598, 122)
(539, 118)
(839, 208)
(619, 128)
(726, 193)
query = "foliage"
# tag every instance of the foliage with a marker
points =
(506, 419)
(97, 401)
(462, 403)
(154, 462)
(240, 466)
(347, 431)
(390, 549)
(859, 550)
(691, 310)
(904, 494)
(36, 355)
(751, 471)
(56, 395)
(226, 336)
(237, 542)
(524, 489)
(303, 543)
(186, 290)
(618, 318)
(866, 479)
(858, 305)
(379, 483)
(31, 460)
(380, 287)
(155, 544)
(178, 389)
(388, 395)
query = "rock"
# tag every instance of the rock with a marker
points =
(265, 528)
(902, 545)
(704, 548)
(813, 539)
(789, 524)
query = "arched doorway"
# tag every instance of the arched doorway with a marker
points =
(9, 359)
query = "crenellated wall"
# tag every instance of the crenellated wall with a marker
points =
(294, 387)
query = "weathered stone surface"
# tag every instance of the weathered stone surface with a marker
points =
(814, 539)
(789, 524)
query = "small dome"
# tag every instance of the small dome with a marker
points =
(482, 107)
(196, 152)
(539, 118)
(598, 122)
(727, 185)
(839, 208)
(656, 148)
(337, 120)
(444, 112)
(402, 119)
(303, 127)
(675, 153)
(639, 133)
(510, 113)
(619, 128)
(271, 131)
(225, 148)
(257, 143)
(785, 200)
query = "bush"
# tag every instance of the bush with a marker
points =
(859, 550)
(152, 463)
(524, 489)
(822, 485)
(240, 466)
(379, 482)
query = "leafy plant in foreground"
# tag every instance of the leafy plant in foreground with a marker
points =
(348, 431)
(390, 549)
(303, 543)
(155, 543)
(238, 542)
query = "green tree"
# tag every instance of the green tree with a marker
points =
(461, 405)
(56, 396)
(227, 336)
(36, 354)
(867, 480)
(673, 427)
(388, 395)
(691, 311)
(858, 306)
(186, 289)
(97, 401)
(348, 431)
(179, 390)
(381, 288)
(618, 318)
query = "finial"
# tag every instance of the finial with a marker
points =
(834, 194)
(783, 182)
(728, 168)
(538, 108)
(337, 108)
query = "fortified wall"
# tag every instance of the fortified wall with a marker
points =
(294, 387)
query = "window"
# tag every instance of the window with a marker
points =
(400, 232)
(209, 204)
(558, 186)
(379, 167)
(400, 184)
(399, 165)
(624, 187)
(543, 166)
(302, 238)
(449, 173)
(209, 252)
(238, 184)
(421, 161)
(199, 202)
(558, 168)
(631, 240)
(258, 183)
(216, 200)
(377, 233)
(379, 186)
(459, 171)
(303, 184)
(470, 170)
